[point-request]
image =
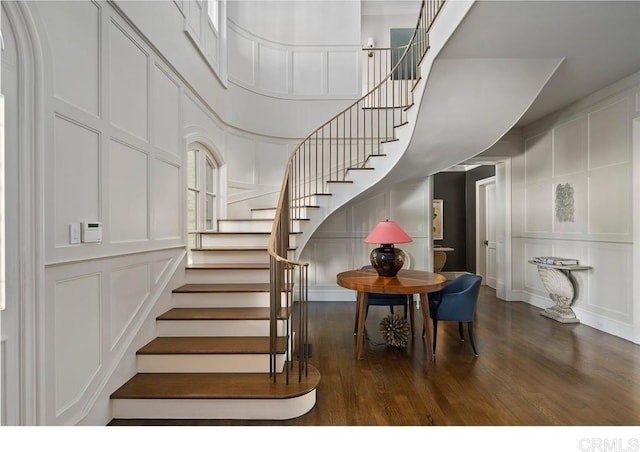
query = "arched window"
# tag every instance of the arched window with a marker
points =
(202, 191)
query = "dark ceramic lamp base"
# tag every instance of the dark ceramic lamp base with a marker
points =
(387, 260)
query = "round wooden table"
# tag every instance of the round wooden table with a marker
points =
(407, 282)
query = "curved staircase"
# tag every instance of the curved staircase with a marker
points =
(225, 351)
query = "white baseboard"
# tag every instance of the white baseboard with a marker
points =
(588, 318)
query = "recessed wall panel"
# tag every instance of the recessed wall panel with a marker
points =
(128, 193)
(538, 157)
(74, 40)
(166, 112)
(342, 73)
(212, 46)
(368, 213)
(337, 223)
(166, 194)
(194, 17)
(307, 72)
(241, 159)
(128, 83)
(609, 142)
(241, 58)
(570, 147)
(335, 254)
(407, 203)
(610, 201)
(130, 287)
(273, 69)
(271, 160)
(612, 265)
(77, 193)
(538, 209)
(77, 344)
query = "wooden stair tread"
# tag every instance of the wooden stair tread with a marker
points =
(217, 385)
(211, 345)
(245, 219)
(234, 232)
(247, 266)
(223, 288)
(231, 248)
(220, 314)
(236, 248)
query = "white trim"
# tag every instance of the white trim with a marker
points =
(636, 229)
(503, 198)
(31, 196)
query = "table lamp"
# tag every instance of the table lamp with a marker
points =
(387, 260)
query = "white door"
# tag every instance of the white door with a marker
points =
(486, 231)
(490, 237)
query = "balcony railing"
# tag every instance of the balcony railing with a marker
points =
(347, 142)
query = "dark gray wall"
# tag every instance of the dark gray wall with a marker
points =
(458, 192)
(450, 187)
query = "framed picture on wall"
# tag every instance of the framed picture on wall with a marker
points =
(437, 219)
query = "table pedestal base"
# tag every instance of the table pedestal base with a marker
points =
(560, 314)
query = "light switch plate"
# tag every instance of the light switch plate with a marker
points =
(74, 233)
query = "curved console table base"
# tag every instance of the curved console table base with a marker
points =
(561, 289)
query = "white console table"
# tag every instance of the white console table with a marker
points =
(562, 289)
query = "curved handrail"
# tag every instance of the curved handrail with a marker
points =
(344, 143)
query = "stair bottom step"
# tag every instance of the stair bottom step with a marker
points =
(220, 409)
(215, 396)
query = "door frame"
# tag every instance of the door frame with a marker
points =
(504, 275)
(481, 226)
(30, 268)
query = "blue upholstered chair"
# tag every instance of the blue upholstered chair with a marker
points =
(457, 303)
(391, 300)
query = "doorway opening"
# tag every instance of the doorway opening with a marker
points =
(486, 230)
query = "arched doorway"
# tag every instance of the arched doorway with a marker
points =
(23, 224)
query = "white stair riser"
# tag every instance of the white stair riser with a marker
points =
(229, 257)
(213, 240)
(278, 409)
(227, 276)
(245, 225)
(256, 240)
(223, 300)
(236, 363)
(251, 226)
(218, 328)
(263, 214)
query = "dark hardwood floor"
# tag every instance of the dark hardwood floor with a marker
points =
(531, 371)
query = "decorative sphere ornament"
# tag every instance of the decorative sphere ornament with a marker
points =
(395, 330)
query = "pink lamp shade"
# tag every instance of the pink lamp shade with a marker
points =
(387, 260)
(387, 232)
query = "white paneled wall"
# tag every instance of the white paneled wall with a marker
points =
(93, 312)
(338, 244)
(288, 71)
(587, 147)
